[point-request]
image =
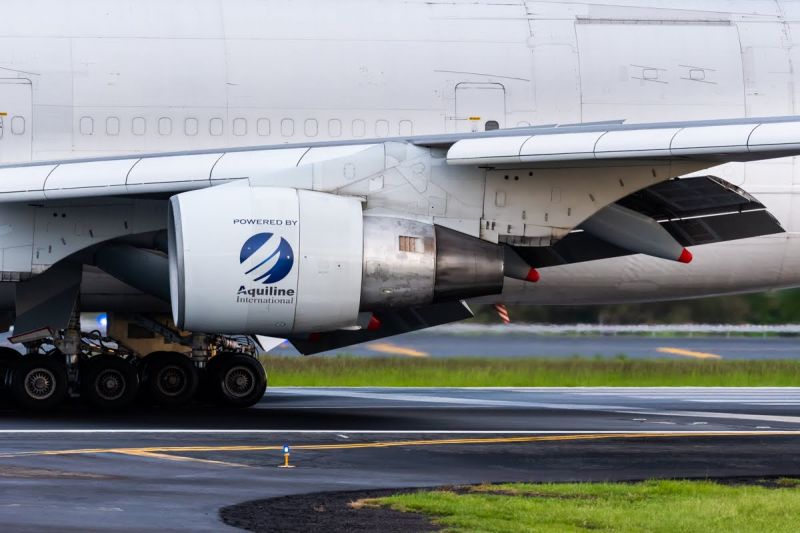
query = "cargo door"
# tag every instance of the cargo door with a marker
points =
(480, 106)
(660, 70)
(15, 120)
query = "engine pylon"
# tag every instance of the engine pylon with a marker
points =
(635, 232)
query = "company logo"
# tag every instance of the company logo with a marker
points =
(267, 257)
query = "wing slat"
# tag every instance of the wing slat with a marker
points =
(745, 141)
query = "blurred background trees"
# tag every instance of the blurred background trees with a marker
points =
(776, 307)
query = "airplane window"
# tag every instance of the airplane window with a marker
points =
(335, 127)
(492, 125)
(112, 126)
(406, 128)
(382, 128)
(240, 127)
(359, 128)
(312, 127)
(139, 126)
(287, 127)
(263, 127)
(18, 125)
(86, 126)
(165, 126)
(191, 126)
(216, 127)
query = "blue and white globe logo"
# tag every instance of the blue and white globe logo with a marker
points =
(268, 257)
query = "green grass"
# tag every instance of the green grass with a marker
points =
(652, 506)
(347, 371)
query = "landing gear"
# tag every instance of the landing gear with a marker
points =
(170, 379)
(38, 382)
(109, 382)
(108, 372)
(236, 380)
(8, 358)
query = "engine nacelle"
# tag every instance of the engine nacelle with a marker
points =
(279, 261)
(241, 260)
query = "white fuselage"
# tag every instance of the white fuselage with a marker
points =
(88, 78)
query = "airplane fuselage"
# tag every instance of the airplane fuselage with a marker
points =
(83, 79)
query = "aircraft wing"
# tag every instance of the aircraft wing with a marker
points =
(526, 198)
(701, 143)
(718, 142)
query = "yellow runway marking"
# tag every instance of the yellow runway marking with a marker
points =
(689, 353)
(179, 458)
(393, 349)
(161, 451)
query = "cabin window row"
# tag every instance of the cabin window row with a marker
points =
(241, 127)
(16, 125)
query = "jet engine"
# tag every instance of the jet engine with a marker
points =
(281, 261)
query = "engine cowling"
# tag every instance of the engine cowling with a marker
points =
(410, 263)
(280, 261)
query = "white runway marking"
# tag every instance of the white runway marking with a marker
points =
(402, 397)
(781, 396)
(714, 414)
(789, 396)
(791, 433)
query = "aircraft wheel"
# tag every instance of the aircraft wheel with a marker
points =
(38, 383)
(236, 380)
(108, 382)
(170, 378)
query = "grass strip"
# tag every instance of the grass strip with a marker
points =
(350, 371)
(653, 506)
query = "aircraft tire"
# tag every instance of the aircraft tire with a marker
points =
(109, 383)
(170, 379)
(38, 383)
(236, 380)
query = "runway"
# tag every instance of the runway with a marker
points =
(148, 470)
(441, 345)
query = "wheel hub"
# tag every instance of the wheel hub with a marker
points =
(110, 385)
(172, 380)
(40, 383)
(239, 382)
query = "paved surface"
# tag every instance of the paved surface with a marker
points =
(149, 470)
(426, 344)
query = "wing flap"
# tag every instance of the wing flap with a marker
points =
(690, 197)
(695, 211)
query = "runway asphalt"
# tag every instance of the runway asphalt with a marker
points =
(76, 470)
(436, 345)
